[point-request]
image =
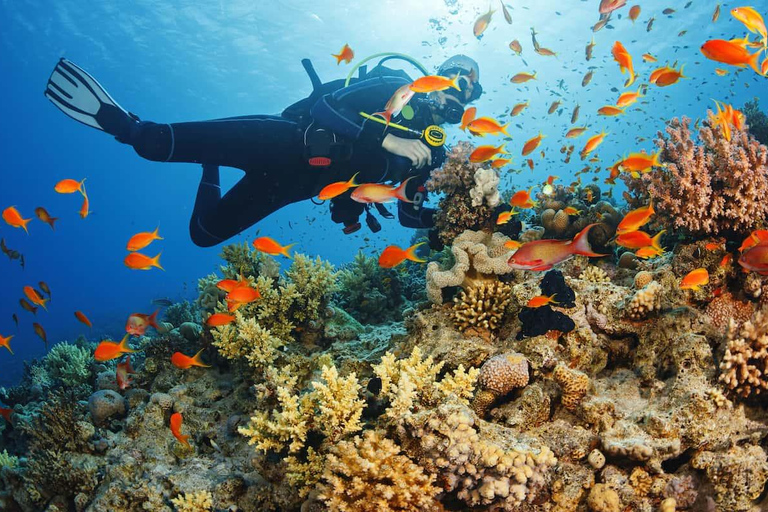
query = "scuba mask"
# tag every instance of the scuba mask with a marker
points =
(451, 111)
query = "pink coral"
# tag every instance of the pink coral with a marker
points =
(708, 188)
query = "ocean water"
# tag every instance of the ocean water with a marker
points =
(182, 60)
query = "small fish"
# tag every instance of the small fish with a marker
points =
(219, 319)
(634, 12)
(649, 26)
(727, 259)
(635, 219)
(485, 153)
(122, 373)
(500, 162)
(575, 132)
(575, 114)
(108, 350)
(639, 239)
(176, 422)
(185, 362)
(757, 237)
(521, 78)
(139, 261)
(536, 45)
(240, 296)
(41, 333)
(15, 320)
(504, 217)
(13, 218)
(588, 50)
(467, 117)
(545, 52)
(647, 57)
(532, 143)
(434, 83)
(512, 245)
(5, 341)
(570, 210)
(380, 193)
(504, 10)
(84, 319)
(69, 186)
(541, 300)
(628, 98)
(542, 255)
(669, 77)
(522, 199)
(716, 14)
(624, 59)
(346, 54)
(530, 163)
(602, 22)
(668, 11)
(516, 47)
(517, 109)
(695, 279)
(25, 305)
(592, 143)
(648, 252)
(44, 216)
(35, 297)
(85, 208)
(682, 33)
(138, 323)
(752, 20)
(393, 255)
(44, 286)
(554, 106)
(713, 246)
(608, 6)
(163, 302)
(587, 78)
(487, 126)
(396, 103)
(610, 110)
(337, 188)
(141, 240)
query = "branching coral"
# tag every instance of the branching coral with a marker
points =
(199, 501)
(369, 474)
(246, 339)
(713, 187)
(8, 461)
(456, 210)
(69, 363)
(482, 307)
(411, 381)
(371, 294)
(644, 302)
(757, 120)
(744, 368)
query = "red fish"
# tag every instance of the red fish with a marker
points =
(5, 412)
(138, 261)
(69, 186)
(176, 421)
(122, 373)
(14, 219)
(337, 188)
(140, 240)
(35, 297)
(185, 362)
(393, 255)
(756, 259)
(81, 316)
(5, 341)
(138, 323)
(219, 319)
(541, 255)
(108, 350)
(346, 54)
(541, 300)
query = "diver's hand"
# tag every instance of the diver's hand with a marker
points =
(415, 150)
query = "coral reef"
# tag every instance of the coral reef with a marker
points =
(757, 120)
(200, 501)
(499, 376)
(371, 294)
(714, 187)
(69, 363)
(744, 365)
(481, 308)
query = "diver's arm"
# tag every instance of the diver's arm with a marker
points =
(413, 149)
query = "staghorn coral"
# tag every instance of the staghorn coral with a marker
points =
(713, 187)
(369, 474)
(594, 274)
(478, 257)
(573, 383)
(247, 339)
(498, 376)
(744, 367)
(198, 501)
(481, 308)
(644, 302)
(456, 212)
(371, 294)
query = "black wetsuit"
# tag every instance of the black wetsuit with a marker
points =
(270, 149)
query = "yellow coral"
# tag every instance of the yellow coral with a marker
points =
(338, 403)
(305, 475)
(247, 339)
(369, 474)
(594, 274)
(482, 307)
(200, 501)
(573, 383)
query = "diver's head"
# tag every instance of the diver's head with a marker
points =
(448, 105)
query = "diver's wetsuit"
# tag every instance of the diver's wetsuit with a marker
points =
(270, 149)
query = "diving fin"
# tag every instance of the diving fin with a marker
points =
(76, 93)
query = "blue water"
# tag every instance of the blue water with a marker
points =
(183, 60)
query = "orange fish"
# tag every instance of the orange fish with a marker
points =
(592, 143)
(346, 54)
(337, 188)
(487, 125)
(219, 319)
(541, 300)
(138, 261)
(752, 20)
(141, 240)
(641, 162)
(176, 421)
(138, 323)
(656, 73)
(713, 246)
(730, 53)
(380, 193)
(122, 372)
(635, 219)
(512, 245)
(108, 350)
(467, 117)
(69, 186)
(84, 319)
(649, 252)
(755, 258)
(433, 83)
(628, 98)
(695, 279)
(757, 237)
(575, 132)
(35, 297)
(764, 67)
(270, 246)
(532, 143)
(517, 109)
(721, 72)
(522, 199)
(396, 103)
(614, 173)
(516, 47)
(230, 284)
(647, 57)
(185, 362)
(634, 12)
(500, 162)
(639, 239)
(521, 78)
(5, 341)
(485, 153)
(243, 295)
(85, 208)
(482, 23)
(546, 52)
(551, 179)
(393, 255)
(541, 255)
(669, 77)
(530, 163)
(41, 333)
(44, 216)
(624, 59)
(727, 259)
(504, 217)
(13, 218)
(570, 210)
(610, 110)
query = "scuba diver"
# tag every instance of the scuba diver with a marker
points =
(324, 138)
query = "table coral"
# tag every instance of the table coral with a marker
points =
(369, 474)
(744, 367)
(717, 186)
